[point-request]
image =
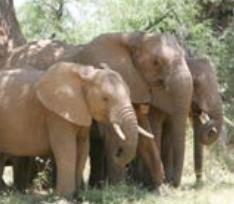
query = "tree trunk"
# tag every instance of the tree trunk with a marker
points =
(10, 32)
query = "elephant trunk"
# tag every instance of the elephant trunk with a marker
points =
(212, 126)
(124, 122)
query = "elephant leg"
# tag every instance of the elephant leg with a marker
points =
(198, 159)
(63, 139)
(53, 172)
(148, 150)
(157, 119)
(149, 155)
(3, 158)
(97, 157)
(24, 172)
(82, 155)
(65, 164)
(198, 150)
(178, 125)
(167, 152)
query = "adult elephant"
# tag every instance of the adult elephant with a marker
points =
(206, 109)
(206, 114)
(154, 67)
(55, 110)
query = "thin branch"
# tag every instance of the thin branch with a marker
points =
(229, 122)
(157, 20)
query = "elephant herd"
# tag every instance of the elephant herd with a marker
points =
(119, 97)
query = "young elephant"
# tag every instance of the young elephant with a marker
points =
(51, 111)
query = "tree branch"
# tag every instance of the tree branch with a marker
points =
(157, 20)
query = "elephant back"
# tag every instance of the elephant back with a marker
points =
(109, 49)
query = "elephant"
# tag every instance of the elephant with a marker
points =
(206, 109)
(54, 114)
(206, 114)
(155, 69)
(37, 55)
(104, 165)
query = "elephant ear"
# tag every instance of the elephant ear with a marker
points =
(126, 67)
(60, 91)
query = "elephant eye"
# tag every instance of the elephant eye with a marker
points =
(195, 83)
(105, 99)
(156, 62)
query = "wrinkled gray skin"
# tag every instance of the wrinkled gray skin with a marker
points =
(154, 67)
(206, 99)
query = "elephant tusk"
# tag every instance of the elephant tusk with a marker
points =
(119, 132)
(144, 132)
(204, 118)
(214, 129)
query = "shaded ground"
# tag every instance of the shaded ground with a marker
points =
(218, 186)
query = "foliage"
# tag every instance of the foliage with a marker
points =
(46, 19)
(227, 75)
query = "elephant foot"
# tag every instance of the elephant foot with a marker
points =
(3, 186)
(175, 184)
(163, 190)
(169, 181)
(172, 183)
(199, 183)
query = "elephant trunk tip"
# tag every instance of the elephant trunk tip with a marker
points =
(211, 129)
(210, 137)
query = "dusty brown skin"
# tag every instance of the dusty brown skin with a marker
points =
(54, 112)
(34, 55)
(206, 99)
(145, 62)
(39, 55)
(154, 67)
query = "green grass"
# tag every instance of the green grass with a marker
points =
(218, 187)
(210, 193)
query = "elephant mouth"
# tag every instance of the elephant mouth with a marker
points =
(122, 153)
(118, 157)
(209, 132)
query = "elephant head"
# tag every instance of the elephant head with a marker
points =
(206, 100)
(79, 93)
(156, 57)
